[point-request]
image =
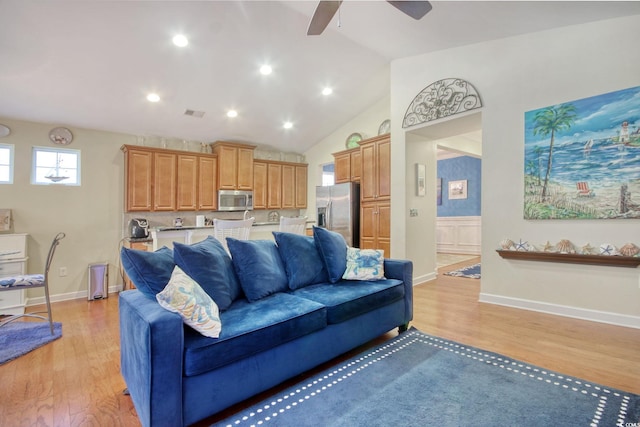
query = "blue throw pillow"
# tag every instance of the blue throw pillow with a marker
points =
(301, 259)
(364, 264)
(333, 250)
(258, 266)
(149, 271)
(209, 264)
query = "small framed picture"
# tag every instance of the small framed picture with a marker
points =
(421, 177)
(458, 189)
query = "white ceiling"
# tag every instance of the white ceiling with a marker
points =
(90, 63)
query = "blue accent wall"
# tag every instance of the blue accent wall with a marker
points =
(456, 169)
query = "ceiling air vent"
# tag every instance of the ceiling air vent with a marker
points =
(194, 113)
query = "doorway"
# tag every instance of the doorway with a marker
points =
(456, 145)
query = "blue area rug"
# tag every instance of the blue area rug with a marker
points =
(19, 338)
(419, 380)
(471, 272)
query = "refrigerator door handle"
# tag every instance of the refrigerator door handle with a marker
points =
(328, 216)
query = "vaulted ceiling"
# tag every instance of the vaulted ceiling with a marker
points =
(92, 63)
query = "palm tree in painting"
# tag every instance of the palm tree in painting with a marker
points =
(538, 153)
(549, 122)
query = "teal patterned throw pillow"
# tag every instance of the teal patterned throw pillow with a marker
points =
(364, 264)
(184, 296)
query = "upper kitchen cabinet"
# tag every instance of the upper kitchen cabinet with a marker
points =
(164, 181)
(301, 186)
(260, 186)
(207, 183)
(347, 166)
(169, 180)
(187, 182)
(375, 180)
(138, 171)
(236, 161)
(279, 185)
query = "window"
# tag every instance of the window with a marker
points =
(55, 166)
(6, 164)
(328, 175)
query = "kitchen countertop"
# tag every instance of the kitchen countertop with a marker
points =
(193, 227)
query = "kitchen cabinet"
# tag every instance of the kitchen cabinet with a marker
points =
(274, 186)
(375, 179)
(13, 262)
(288, 186)
(236, 165)
(375, 226)
(169, 180)
(138, 166)
(301, 186)
(207, 183)
(259, 185)
(279, 185)
(187, 182)
(164, 181)
(347, 166)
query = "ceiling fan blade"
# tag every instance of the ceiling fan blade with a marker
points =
(415, 9)
(322, 16)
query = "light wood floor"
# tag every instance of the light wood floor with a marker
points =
(75, 381)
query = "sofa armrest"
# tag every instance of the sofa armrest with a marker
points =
(402, 270)
(151, 348)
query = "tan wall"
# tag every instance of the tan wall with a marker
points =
(512, 76)
(90, 215)
(366, 124)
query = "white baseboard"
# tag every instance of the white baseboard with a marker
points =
(563, 310)
(68, 296)
(424, 278)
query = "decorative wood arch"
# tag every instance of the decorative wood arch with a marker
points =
(440, 99)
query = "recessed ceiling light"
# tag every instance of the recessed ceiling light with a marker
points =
(153, 97)
(287, 125)
(180, 40)
(327, 91)
(266, 70)
(232, 113)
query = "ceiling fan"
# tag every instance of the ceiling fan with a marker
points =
(326, 9)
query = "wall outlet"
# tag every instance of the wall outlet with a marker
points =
(62, 271)
(413, 212)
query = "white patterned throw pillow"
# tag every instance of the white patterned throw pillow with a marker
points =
(364, 264)
(186, 297)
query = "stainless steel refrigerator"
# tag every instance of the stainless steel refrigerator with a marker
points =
(338, 209)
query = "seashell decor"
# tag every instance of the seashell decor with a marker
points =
(608, 249)
(506, 245)
(564, 246)
(629, 250)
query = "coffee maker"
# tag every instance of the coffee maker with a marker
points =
(138, 228)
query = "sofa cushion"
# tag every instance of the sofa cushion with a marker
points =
(258, 266)
(149, 271)
(333, 250)
(250, 328)
(184, 296)
(209, 264)
(364, 264)
(301, 259)
(347, 299)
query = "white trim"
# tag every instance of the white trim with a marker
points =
(68, 296)
(459, 234)
(424, 278)
(563, 310)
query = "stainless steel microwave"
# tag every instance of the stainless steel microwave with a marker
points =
(232, 200)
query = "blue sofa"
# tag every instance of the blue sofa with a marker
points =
(270, 333)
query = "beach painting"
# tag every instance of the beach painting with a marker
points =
(582, 158)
